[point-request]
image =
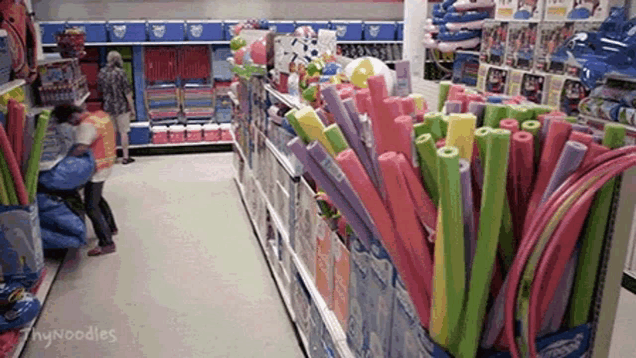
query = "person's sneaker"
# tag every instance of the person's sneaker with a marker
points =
(102, 250)
(127, 161)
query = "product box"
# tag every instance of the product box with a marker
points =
(493, 44)
(301, 302)
(380, 299)
(466, 68)
(328, 344)
(492, 79)
(316, 25)
(552, 35)
(522, 37)
(324, 263)
(380, 31)
(348, 30)
(505, 9)
(565, 94)
(95, 30)
(316, 325)
(22, 258)
(341, 269)
(528, 85)
(598, 10)
(128, 31)
(59, 72)
(357, 323)
(531, 10)
(202, 30)
(408, 337)
(306, 226)
(293, 52)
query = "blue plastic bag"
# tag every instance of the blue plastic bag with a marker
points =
(69, 174)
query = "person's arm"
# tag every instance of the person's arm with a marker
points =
(85, 136)
(125, 85)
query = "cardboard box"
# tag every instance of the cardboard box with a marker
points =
(306, 227)
(357, 325)
(324, 263)
(301, 302)
(341, 280)
(494, 39)
(520, 53)
(531, 10)
(316, 325)
(552, 35)
(565, 94)
(492, 79)
(380, 297)
(531, 86)
(505, 9)
(599, 10)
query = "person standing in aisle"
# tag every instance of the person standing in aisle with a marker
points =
(118, 101)
(95, 132)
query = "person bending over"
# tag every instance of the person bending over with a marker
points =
(94, 131)
(118, 102)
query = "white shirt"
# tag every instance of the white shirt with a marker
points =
(86, 134)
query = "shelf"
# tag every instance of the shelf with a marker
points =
(282, 159)
(274, 215)
(10, 86)
(287, 99)
(176, 145)
(78, 103)
(629, 281)
(149, 43)
(371, 42)
(52, 267)
(238, 147)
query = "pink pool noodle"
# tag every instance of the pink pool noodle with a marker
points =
(510, 124)
(361, 100)
(14, 168)
(453, 106)
(408, 106)
(424, 206)
(582, 138)
(401, 138)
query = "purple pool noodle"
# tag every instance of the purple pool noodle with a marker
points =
(341, 115)
(350, 106)
(337, 177)
(558, 306)
(580, 128)
(298, 148)
(368, 139)
(323, 117)
(468, 212)
(477, 108)
(569, 161)
(495, 320)
(544, 128)
(453, 107)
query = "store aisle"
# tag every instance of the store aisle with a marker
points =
(188, 280)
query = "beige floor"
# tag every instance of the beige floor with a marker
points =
(189, 279)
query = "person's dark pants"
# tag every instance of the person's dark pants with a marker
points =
(108, 215)
(92, 197)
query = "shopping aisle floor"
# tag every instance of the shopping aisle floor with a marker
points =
(188, 280)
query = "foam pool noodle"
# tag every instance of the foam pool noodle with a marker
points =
(495, 174)
(13, 170)
(591, 240)
(33, 168)
(510, 124)
(443, 125)
(291, 118)
(493, 114)
(427, 154)
(468, 213)
(336, 138)
(444, 87)
(420, 103)
(461, 129)
(408, 106)
(436, 127)
(453, 107)
(312, 126)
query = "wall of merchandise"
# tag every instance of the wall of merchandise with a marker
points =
(179, 70)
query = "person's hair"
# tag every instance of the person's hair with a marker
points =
(114, 59)
(63, 112)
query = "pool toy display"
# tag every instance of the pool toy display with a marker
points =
(494, 40)
(492, 79)
(567, 94)
(531, 86)
(551, 35)
(457, 25)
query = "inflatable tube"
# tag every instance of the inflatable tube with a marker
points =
(429, 41)
(447, 4)
(453, 46)
(23, 311)
(472, 25)
(438, 11)
(439, 21)
(447, 36)
(465, 5)
(468, 16)
(70, 173)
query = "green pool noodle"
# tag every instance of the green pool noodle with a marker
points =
(444, 87)
(534, 127)
(7, 178)
(6, 186)
(435, 118)
(571, 119)
(481, 137)
(427, 153)
(454, 267)
(4, 196)
(422, 128)
(336, 138)
(492, 204)
(493, 114)
(593, 238)
(443, 124)
(520, 113)
(539, 110)
(291, 118)
(33, 168)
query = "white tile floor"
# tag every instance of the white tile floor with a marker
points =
(189, 279)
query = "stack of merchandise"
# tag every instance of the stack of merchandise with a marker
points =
(198, 103)
(61, 81)
(457, 24)
(223, 106)
(491, 216)
(614, 101)
(384, 52)
(163, 104)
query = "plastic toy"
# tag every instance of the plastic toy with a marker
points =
(23, 311)
(359, 70)
(455, 24)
